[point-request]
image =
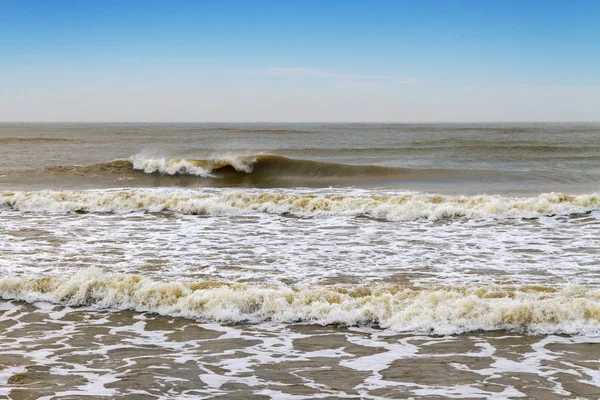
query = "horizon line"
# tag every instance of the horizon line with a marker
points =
(302, 122)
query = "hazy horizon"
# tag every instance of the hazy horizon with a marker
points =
(303, 122)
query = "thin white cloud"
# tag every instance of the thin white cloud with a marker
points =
(330, 74)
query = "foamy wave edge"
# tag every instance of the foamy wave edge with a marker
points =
(385, 207)
(202, 168)
(444, 310)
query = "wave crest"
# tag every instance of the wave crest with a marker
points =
(442, 310)
(262, 170)
(260, 166)
(385, 207)
(203, 168)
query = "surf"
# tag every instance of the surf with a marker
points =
(437, 310)
(260, 170)
(217, 202)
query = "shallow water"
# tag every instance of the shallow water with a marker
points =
(66, 352)
(300, 261)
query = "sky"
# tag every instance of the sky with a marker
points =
(299, 61)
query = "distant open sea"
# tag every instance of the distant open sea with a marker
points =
(300, 261)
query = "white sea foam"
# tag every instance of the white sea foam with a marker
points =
(168, 166)
(203, 168)
(440, 310)
(392, 207)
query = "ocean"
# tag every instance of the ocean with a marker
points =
(300, 261)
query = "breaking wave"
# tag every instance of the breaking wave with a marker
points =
(391, 207)
(254, 169)
(264, 171)
(261, 167)
(441, 310)
(204, 168)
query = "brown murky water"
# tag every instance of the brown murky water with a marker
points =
(299, 261)
(58, 352)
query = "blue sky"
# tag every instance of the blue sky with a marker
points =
(299, 60)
